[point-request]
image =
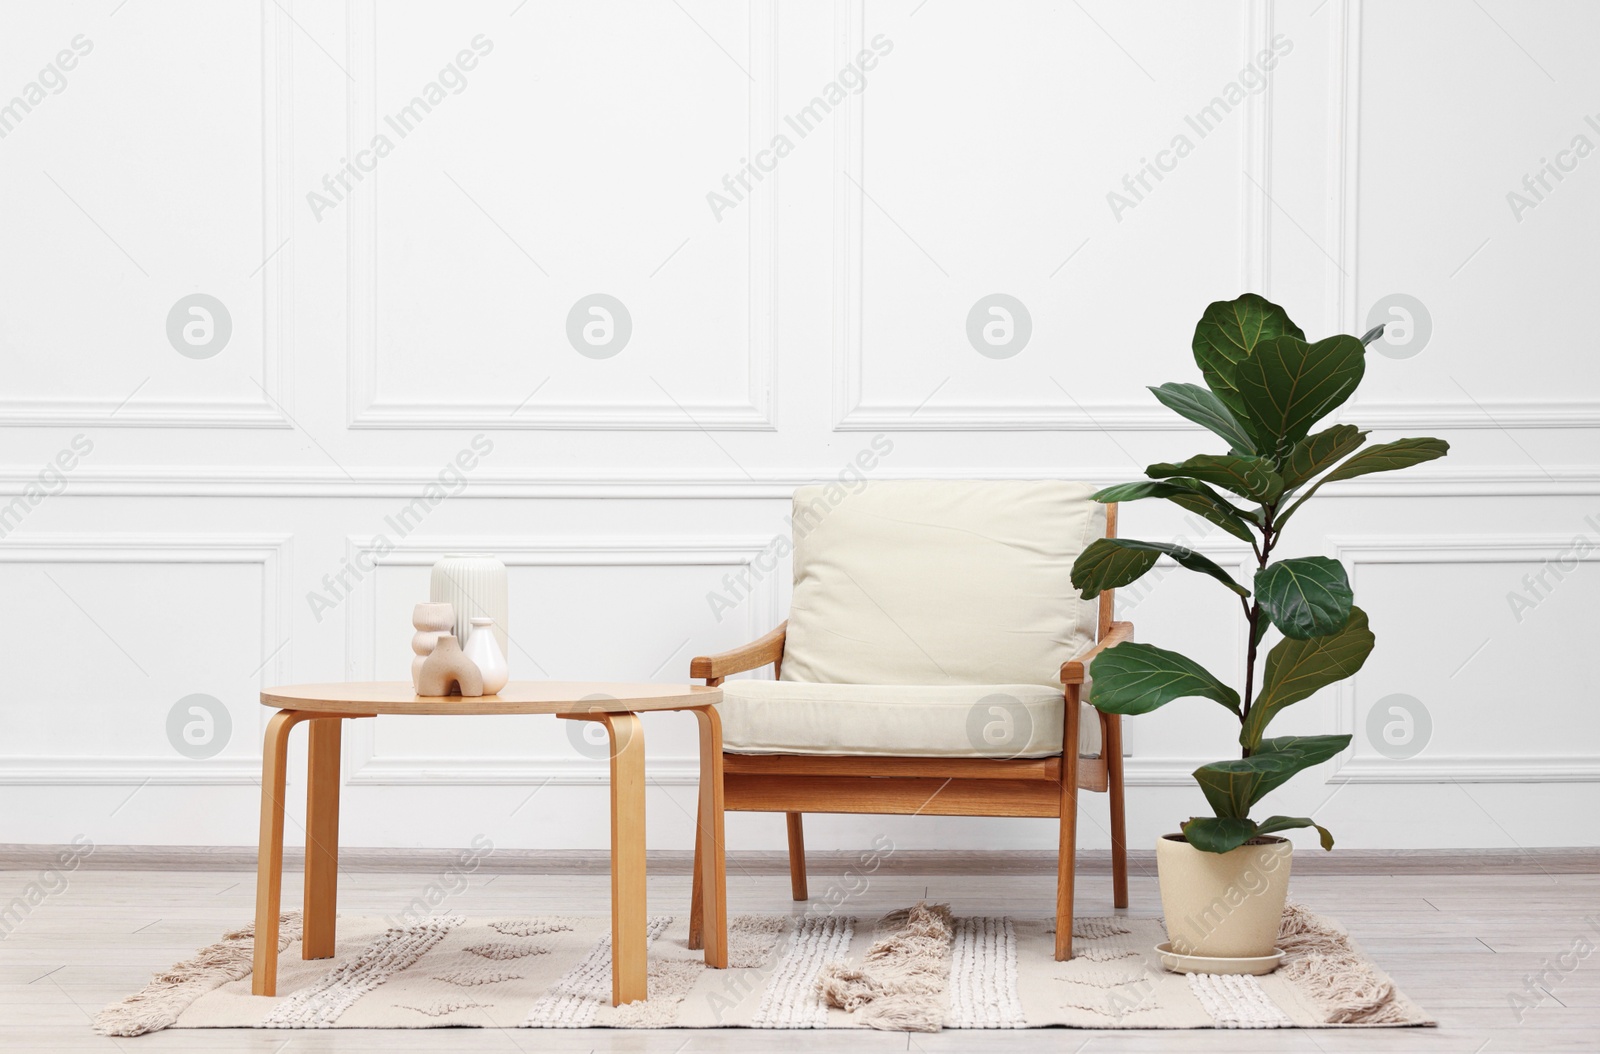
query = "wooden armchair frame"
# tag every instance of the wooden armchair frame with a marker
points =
(795, 784)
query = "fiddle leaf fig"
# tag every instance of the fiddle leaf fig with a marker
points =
(1266, 387)
(1297, 669)
(1218, 834)
(1249, 477)
(1317, 452)
(1385, 457)
(1110, 563)
(1226, 335)
(1307, 751)
(1189, 494)
(1212, 834)
(1214, 508)
(1134, 678)
(1287, 386)
(1308, 596)
(1274, 824)
(1204, 408)
(1231, 786)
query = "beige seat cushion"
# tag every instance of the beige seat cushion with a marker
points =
(898, 720)
(942, 582)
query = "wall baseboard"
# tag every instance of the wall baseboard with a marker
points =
(1551, 861)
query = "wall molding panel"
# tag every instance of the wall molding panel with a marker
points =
(271, 553)
(856, 411)
(277, 300)
(369, 408)
(1497, 767)
(1344, 291)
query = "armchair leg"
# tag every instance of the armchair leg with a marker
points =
(797, 856)
(708, 918)
(1112, 740)
(1067, 858)
(1066, 866)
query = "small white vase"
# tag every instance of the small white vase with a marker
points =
(484, 650)
(476, 587)
(430, 620)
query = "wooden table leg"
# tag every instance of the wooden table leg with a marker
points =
(697, 900)
(711, 870)
(322, 839)
(269, 852)
(629, 946)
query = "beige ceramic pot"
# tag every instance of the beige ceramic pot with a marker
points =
(1223, 905)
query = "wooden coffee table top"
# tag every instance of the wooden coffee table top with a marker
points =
(517, 697)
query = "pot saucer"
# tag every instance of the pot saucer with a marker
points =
(1256, 966)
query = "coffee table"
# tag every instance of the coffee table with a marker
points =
(614, 705)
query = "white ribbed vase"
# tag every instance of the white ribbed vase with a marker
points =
(476, 586)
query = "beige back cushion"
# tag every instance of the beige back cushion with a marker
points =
(939, 582)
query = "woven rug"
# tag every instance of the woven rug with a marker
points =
(920, 969)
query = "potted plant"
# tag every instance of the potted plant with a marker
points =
(1224, 878)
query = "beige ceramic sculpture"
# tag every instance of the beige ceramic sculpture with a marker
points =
(448, 667)
(431, 620)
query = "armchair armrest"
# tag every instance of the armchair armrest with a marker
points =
(1074, 672)
(752, 656)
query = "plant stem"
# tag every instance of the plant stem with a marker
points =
(1249, 673)
(1254, 619)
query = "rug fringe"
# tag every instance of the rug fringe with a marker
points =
(1320, 959)
(169, 993)
(901, 981)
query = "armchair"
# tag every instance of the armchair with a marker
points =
(934, 663)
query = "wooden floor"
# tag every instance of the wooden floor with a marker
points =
(1460, 944)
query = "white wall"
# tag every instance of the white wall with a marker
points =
(376, 332)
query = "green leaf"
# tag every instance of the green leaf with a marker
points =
(1133, 678)
(1308, 596)
(1387, 457)
(1274, 824)
(1226, 335)
(1233, 786)
(1216, 509)
(1318, 451)
(1139, 488)
(1204, 408)
(1307, 752)
(1317, 748)
(1251, 477)
(1288, 385)
(1189, 494)
(1212, 834)
(1296, 669)
(1102, 566)
(1110, 563)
